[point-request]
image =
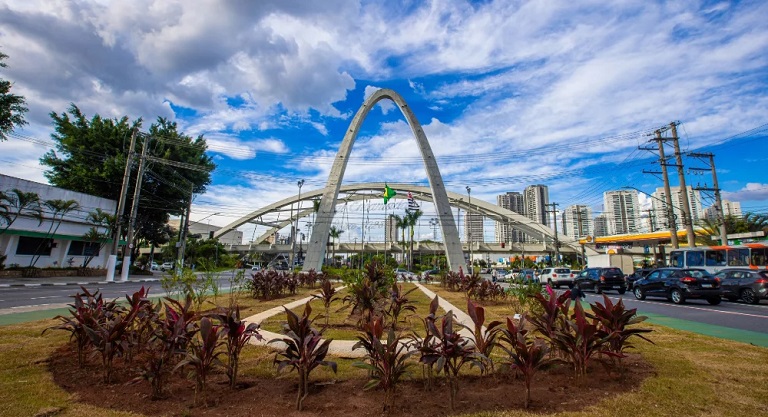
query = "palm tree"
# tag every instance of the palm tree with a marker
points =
(99, 219)
(334, 233)
(17, 203)
(58, 208)
(400, 224)
(411, 219)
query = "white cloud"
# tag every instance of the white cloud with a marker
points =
(752, 191)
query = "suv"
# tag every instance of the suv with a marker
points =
(601, 279)
(679, 285)
(556, 277)
(748, 284)
(527, 276)
(635, 276)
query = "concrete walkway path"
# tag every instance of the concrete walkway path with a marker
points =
(343, 348)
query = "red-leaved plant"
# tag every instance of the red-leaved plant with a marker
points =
(399, 303)
(450, 351)
(202, 355)
(579, 339)
(87, 309)
(525, 354)
(386, 360)
(305, 350)
(483, 338)
(237, 334)
(327, 296)
(614, 319)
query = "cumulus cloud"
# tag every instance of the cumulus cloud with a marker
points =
(752, 191)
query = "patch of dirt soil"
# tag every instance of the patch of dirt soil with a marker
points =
(552, 391)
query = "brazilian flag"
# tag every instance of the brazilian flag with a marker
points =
(388, 193)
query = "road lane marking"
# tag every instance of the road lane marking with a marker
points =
(695, 308)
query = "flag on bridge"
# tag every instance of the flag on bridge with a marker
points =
(412, 204)
(388, 193)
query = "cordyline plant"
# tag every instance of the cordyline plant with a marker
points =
(450, 351)
(202, 355)
(305, 350)
(524, 353)
(426, 343)
(87, 309)
(399, 303)
(367, 295)
(111, 336)
(387, 360)
(614, 319)
(554, 309)
(579, 339)
(483, 338)
(237, 335)
(327, 296)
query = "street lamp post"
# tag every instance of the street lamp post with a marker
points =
(295, 231)
(469, 227)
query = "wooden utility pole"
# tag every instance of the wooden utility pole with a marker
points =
(128, 248)
(121, 208)
(667, 192)
(684, 201)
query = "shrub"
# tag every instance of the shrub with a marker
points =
(237, 334)
(524, 354)
(579, 339)
(327, 296)
(484, 340)
(87, 309)
(202, 356)
(305, 350)
(399, 303)
(387, 361)
(613, 320)
(450, 351)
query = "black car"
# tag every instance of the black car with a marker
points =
(748, 284)
(679, 285)
(637, 275)
(601, 279)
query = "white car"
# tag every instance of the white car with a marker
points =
(404, 274)
(556, 277)
(166, 266)
(153, 266)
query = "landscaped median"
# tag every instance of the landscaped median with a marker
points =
(680, 373)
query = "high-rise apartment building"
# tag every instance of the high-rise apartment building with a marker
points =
(473, 227)
(660, 207)
(513, 201)
(622, 211)
(577, 221)
(601, 225)
(536, 199)
(730, 208)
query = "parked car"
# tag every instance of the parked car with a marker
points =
(501, 275)
(166, 266)
(556, 277)
(679, 285)
(153, 266)
(748, 284)
(255, 268)
(432, 273)
(404, 274)
(527, 276)
(637, 275)
(601, 279)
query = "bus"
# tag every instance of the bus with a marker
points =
(716, 258)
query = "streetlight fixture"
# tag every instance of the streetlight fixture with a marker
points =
(469, 227)
(295, 231)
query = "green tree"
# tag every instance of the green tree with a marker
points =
(334, 233)
(12, 107)
(411, 219)
(103, 224)
(91, 154)
(58, 209)
(400, 224)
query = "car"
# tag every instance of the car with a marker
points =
(679, 285)
(154, 266)
(556, 277)
(430, 272)
(748, 284)
(166, 266)
(527, 276)
(500, 275)
(601, 279)
(638, 274)
(404, 274)
(255, 268)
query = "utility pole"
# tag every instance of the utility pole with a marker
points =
(670, 214)
(184, 224)
(554, 221)
(650, 219)
(121, 209)
(295, 231)
(686, 207)
(719, 209)
(579, 212)
(128, 249)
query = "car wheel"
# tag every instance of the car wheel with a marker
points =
(677, 296)
(714, 300)
(639, 294)
(622, 290)
(749, 296)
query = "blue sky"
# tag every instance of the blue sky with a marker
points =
(509, 93)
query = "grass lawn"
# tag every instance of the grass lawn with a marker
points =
(695, 375)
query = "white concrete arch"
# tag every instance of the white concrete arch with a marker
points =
(321, 229)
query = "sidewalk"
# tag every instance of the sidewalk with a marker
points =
(57, 281)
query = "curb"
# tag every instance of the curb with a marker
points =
(59, 284)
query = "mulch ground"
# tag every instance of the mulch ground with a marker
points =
(552, 391)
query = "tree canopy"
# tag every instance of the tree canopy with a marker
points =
(12, 106)
(91, 154)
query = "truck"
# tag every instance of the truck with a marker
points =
(623, 262)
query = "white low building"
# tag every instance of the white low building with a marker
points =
(53, 243)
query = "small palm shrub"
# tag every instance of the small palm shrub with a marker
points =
(387, 361)
(305, 350)
(525, 353)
